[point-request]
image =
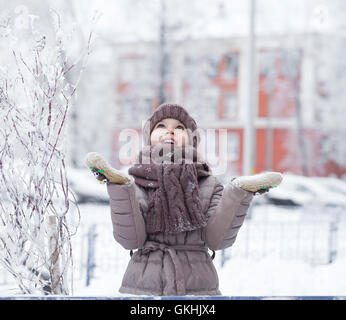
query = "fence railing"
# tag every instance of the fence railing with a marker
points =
(318, 241)
(312, 242)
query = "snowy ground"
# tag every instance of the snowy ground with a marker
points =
(252, 267)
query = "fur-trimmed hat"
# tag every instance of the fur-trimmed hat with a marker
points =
(175, 111)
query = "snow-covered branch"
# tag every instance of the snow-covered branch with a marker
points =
(35, 196)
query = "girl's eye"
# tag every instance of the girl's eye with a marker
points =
(180, 127)
(160, 126)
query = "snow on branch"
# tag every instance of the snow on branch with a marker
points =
(35, 197)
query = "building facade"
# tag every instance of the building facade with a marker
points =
(209, 78)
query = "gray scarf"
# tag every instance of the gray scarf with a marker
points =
(170, 175)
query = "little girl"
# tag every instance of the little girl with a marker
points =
(172, 209)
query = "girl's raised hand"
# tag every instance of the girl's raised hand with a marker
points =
(258, 183)
(103, 171)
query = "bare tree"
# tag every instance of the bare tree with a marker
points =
(171, 26)
(35, 198)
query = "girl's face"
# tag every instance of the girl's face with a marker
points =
(169, 131)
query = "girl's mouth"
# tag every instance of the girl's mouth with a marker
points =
(170, 141)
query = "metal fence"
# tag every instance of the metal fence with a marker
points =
(314, 241)
(316, 236)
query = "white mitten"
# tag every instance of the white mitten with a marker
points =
(103, 170)
(259, 182)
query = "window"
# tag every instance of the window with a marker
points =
(210, 67)
(200, 68)
(230, 106)
(233, 146)
(231, 66)
(278, 76)
(210, 103)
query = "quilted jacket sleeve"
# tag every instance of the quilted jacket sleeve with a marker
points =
(127, 219)
(227, 211)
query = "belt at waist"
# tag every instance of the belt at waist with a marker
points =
(171, 249)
